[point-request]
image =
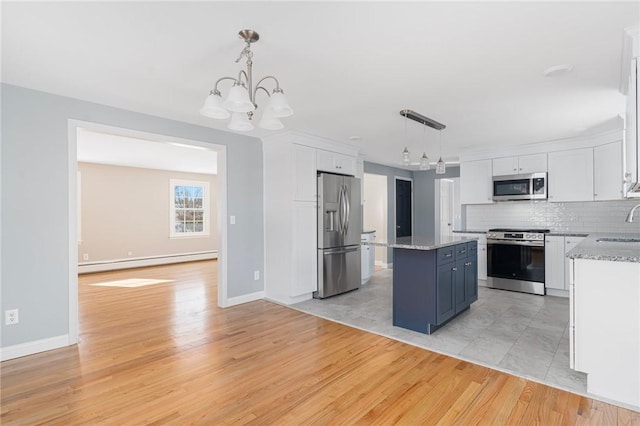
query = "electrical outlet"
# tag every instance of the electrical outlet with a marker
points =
(256, 275)
(85, 256)
(11, 317)
(232, 220)
(129, 253)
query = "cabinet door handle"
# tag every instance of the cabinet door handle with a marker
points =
(448, 255)
(454, 269)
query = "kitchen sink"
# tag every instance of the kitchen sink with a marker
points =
(618, 240)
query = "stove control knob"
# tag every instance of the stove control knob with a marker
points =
(528, 236)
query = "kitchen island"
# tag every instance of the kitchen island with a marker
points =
(434, 279)
(605, 315)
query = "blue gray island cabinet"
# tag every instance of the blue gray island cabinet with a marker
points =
(433, 281)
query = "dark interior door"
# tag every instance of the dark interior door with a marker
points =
(403, 208)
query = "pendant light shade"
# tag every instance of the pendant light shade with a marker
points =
(240, 122)
(269, 122)
(213, 107)
(424, 162)
(278, 105)
(440, 167)
(406, 158)
(238, 100)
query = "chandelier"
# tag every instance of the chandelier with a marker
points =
(240, 103)
(424, 160)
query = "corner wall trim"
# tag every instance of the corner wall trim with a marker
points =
(232, 301)
(30, 348)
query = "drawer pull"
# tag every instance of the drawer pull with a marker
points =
(448, 255)
(454, 269)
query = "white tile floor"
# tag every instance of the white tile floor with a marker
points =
(518, 333)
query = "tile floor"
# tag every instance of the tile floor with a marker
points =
(518, 333)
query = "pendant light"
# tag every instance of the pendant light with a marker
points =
(424, 160)
(406, 157)
(426, 121)
(441, 168)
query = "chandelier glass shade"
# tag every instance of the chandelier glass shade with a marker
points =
(240, 103)
(424, 162)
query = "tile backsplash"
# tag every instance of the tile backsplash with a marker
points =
(588, 217)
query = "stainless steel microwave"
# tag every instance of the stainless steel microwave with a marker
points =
(532, 186)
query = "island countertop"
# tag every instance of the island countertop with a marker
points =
(423, 243)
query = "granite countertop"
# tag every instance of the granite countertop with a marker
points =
(593, 249)
(423, 243)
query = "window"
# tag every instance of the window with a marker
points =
(189, 215)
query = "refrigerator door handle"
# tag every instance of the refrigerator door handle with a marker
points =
(340, 251)
(343, 211)
(348, 209)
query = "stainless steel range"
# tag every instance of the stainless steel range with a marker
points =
(515, 260)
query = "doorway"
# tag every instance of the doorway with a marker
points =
(375, 213)
(404, 207)
(221, 209)
(447, 206)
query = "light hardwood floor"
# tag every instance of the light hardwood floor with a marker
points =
(165, 354)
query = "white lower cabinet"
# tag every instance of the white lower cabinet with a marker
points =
(556, 263)
(606, 333)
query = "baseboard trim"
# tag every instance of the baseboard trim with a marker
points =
(30, 348)
(557, 292)
(113, 265)
(232, 301)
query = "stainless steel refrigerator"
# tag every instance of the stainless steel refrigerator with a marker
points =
(339, 230)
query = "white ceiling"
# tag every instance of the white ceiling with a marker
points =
(347, 68)
(105, 148)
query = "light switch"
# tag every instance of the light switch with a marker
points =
(232, 220)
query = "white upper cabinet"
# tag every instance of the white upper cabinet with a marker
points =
(607, 172)
(475, 182)
(521, 164)
(632, 155)
(533, 163)
(571, 175)
(304, 170)
(505, 166)
(336, 163)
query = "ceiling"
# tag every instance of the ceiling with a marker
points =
(105, 148)
(346, 68)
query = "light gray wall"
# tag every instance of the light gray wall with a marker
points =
(424, 199)
(390, 173)
(35, 204)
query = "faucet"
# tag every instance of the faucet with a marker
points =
(630, 215)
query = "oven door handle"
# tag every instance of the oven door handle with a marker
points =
(516, 243)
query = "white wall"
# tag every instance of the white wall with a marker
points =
(602, 216)
(376, 211)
